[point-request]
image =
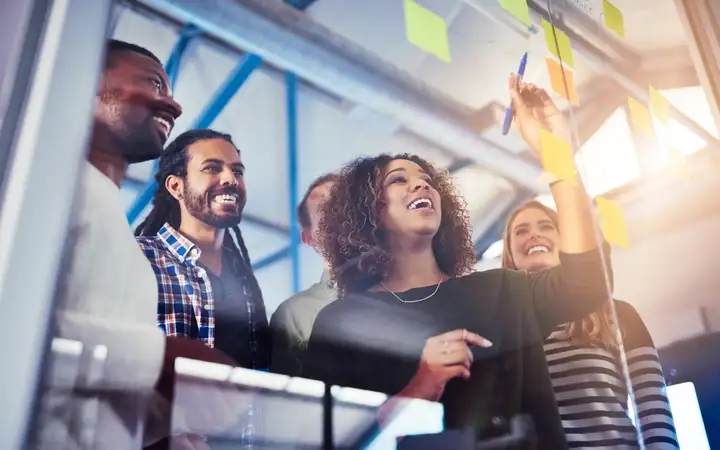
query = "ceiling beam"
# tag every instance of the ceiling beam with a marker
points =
(292, 41)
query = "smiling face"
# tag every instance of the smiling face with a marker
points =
(213, 191)
(412, 206)
(136, 111)
(534, 240)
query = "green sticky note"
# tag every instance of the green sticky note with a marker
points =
(562, 48)
(659, 105)
(613, 18)
(426, 30)
(518, 8)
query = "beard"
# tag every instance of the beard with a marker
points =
(199, 206)
(128, 128)
(143, 142)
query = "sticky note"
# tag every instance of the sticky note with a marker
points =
(558, 43)
(561, 81)
(659, 105)
(518, 8)
(613, 18)
(556, 156)
(640, 117)
(678, 162)
(426, 30)
(612, 222)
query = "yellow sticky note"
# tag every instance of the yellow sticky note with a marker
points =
(659, 105)
(612, 222)
(561, 49)
(561, 81)
(678, 162)
(556, 156)
(640, 117)
(518, 8)
(426, 30)
(613, 18)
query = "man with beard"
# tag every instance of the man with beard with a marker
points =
(108, 296)
(207, 288)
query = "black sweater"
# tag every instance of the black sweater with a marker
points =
(372, 341)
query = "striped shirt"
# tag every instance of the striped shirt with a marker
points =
(591, 394)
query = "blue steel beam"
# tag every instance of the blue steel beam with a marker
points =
(300, 4)
(291, 112)
(172, 66)
(222, 97)
(272, 259)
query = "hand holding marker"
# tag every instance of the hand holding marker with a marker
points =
(510, 112)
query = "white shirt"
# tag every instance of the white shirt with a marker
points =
(109, 298)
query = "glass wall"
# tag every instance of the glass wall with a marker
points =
(316, 326)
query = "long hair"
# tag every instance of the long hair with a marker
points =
(166, 209)
(352, 238)
(595, 329)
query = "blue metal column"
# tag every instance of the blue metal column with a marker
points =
(172, 66)
(222, 97)
(291, 105)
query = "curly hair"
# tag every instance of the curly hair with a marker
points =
(352, 239)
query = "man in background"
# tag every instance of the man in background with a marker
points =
(292, 322)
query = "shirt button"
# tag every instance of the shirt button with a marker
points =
(194, 253)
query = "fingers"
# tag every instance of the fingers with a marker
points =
(464, 336)
(456, 352)
(458, 372)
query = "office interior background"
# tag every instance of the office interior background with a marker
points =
(304, 86)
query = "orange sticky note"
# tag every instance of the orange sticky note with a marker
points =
(561, 81)
(426, 30)
(613, 18)
(612, 222)
(659, 105)
(518, 8)
(557, 157)
(561, 49)
(640, 117)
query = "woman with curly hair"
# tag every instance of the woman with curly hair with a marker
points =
(584, 355)
(414, 322)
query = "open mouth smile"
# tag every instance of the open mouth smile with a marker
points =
(422, 203)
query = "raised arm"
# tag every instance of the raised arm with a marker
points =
(579, 285)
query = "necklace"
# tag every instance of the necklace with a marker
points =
(442, 277)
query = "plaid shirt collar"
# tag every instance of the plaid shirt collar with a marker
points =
(183, 248)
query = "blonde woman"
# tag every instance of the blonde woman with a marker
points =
(583, 358)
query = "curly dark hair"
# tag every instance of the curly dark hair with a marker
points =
(351, 236)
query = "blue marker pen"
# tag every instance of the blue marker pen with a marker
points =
(509, 111)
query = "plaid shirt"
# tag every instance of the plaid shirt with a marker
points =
(186, 306)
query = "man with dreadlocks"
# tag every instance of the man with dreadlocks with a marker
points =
(207, 288)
